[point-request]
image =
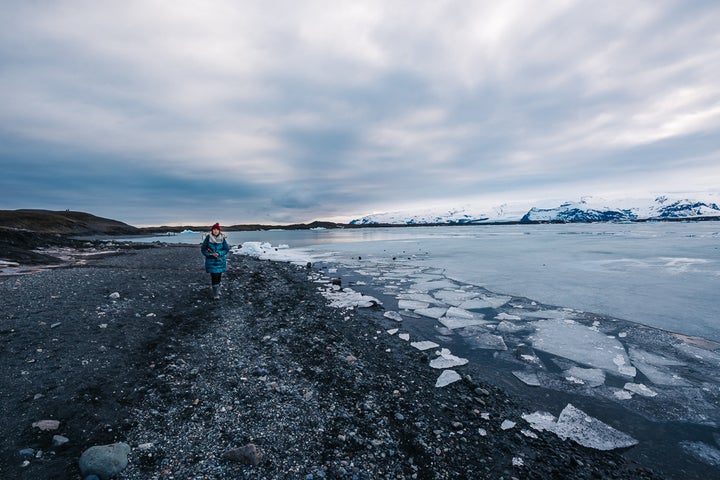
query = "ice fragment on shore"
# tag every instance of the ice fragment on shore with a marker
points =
(392, 331)
(517, 462)
(528, 378)
(447, 360)
(703, 452)
(404, 336)
(507, 424)
(640, 389)
(424, 345)
(574, 341)
(581, 428)
(349, 299)
(393, 316)
(114, 295)
(446, 378)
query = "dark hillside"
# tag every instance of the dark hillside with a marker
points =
(63, 223)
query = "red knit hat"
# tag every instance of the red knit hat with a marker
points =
(217, 225)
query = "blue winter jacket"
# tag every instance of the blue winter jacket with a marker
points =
(215, 264)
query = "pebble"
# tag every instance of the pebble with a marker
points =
(105, 461)
(59, 440)
(247, 454)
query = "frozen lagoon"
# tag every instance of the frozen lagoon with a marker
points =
(613, 315)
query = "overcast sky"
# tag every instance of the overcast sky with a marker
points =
(167, 112)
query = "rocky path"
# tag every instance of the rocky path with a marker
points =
(267, 382)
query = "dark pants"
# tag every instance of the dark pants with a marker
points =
(215, 278)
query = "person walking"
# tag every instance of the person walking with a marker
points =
(215, 249)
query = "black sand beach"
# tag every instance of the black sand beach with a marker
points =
(184, 380)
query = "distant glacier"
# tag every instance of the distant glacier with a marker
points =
(587, 209)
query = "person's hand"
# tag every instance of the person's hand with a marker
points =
(215, 254)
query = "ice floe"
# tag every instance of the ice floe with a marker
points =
(424, 345)
(640, 389)
(446, 378)
(577, 342)
(393, 316)
(576, 425)
(431, 312)
(446, 359)
(528, 378)
(593, 377)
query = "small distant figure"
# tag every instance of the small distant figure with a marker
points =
(215, 248)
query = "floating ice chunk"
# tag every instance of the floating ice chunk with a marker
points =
(484, 302)
(581, 428)
(528, 378)
(508, 327)
(392, 315)
(459, 313)
(424, 345)
(640, 389)
(700, 354)
(432, 312)
(507, 316)
(622, 394)
(592, 376)
(411, 304)
(446, 378)
(447, 360)
(417, 297)
(660, 375)
(456, 322)
(568, 339)
(703, 452)
(434, 285)
(507, 424)
(620, 360)
(550, 314)
(404, 336)
(481, 339)
(392, 331)
(454, 297)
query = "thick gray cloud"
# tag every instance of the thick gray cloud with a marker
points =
(184, 111)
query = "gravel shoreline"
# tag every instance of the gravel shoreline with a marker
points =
(187, 382)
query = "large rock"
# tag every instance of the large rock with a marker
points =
(105, 461)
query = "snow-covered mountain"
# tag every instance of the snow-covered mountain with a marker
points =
(588, 209)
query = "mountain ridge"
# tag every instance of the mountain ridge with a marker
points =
(587, 209)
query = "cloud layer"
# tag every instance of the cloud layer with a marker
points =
(272, 111)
